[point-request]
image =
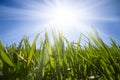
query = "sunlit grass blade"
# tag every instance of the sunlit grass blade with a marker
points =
(32, 50)
(6, 59)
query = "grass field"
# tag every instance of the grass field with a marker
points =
(62, 60)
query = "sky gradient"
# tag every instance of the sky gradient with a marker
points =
(30, 17)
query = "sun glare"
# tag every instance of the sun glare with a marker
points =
(63, 16)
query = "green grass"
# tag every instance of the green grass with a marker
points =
(62, 60)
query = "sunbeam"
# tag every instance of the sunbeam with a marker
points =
(70, 16)
(60, 13)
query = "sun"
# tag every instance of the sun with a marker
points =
(62, 16)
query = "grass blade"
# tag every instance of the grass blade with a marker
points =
(32, 50)
(6, 59)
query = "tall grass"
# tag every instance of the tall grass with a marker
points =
(62, 60)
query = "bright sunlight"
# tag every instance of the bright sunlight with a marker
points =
(63, 15)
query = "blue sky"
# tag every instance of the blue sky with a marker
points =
(29, 17)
